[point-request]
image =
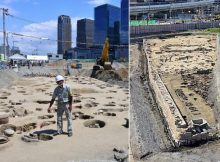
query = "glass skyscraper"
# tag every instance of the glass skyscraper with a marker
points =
(107, 24)
(85, 33)
(124, 21)
(64, 34)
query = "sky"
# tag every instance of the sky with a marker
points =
(39, 18)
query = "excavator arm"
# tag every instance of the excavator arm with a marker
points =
(105, 52)
(104, 60)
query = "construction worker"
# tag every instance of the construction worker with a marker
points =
(65, 98)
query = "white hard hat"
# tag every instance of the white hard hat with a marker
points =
(59, 78)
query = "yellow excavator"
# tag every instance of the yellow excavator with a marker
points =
(103, 62)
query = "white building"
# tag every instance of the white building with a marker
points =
(54, 57)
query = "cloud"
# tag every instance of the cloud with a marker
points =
(46, 29)
(98, 2)
(43, 29)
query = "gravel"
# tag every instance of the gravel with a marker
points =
(7, 77)
(206, 153)
(147, 135)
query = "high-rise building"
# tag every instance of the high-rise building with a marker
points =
(117, 32)
(136, 1)
(107, 21)
(124, 22)
(85, 33)
(15, 50)
(2, 50)
(64, 34)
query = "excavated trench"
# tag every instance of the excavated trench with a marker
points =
(109, 114)
(43, 101)
(45, 137)
(85, 117)
(148, 133)
(188, 90)
(45, 117)
(94, 124)
(36, 137)
(110, 110)
(3, 139)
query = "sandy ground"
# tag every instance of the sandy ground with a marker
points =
(186, 55)
(86, 143)
(202, 109)
(183, 53)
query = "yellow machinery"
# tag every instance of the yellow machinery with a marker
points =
(104, 60)
(105, 50)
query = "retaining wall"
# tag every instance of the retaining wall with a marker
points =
(214, 91)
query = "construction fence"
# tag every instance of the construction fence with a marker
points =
(142, 30)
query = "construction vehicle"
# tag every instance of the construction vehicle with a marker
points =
(103, 62)
(76, 66)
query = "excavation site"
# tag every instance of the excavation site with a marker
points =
(177, 79)
(99, 114)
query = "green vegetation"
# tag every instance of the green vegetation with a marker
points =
(142, 22)
(2, 58)
(213, 30)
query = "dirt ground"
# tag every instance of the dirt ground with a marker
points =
(209, 152)
(199, 107)
(144, 146)
(183, 53)
(147, 136)
(23, 100)
(186, 55)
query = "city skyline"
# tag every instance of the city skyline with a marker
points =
(26, 19)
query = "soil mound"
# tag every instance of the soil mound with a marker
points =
(123, 72)
(107, 75)
(7, 77)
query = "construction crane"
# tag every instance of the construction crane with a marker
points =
(104, 60)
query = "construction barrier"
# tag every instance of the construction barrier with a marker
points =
(142, 30)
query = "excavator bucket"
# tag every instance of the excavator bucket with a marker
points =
(107, 66)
